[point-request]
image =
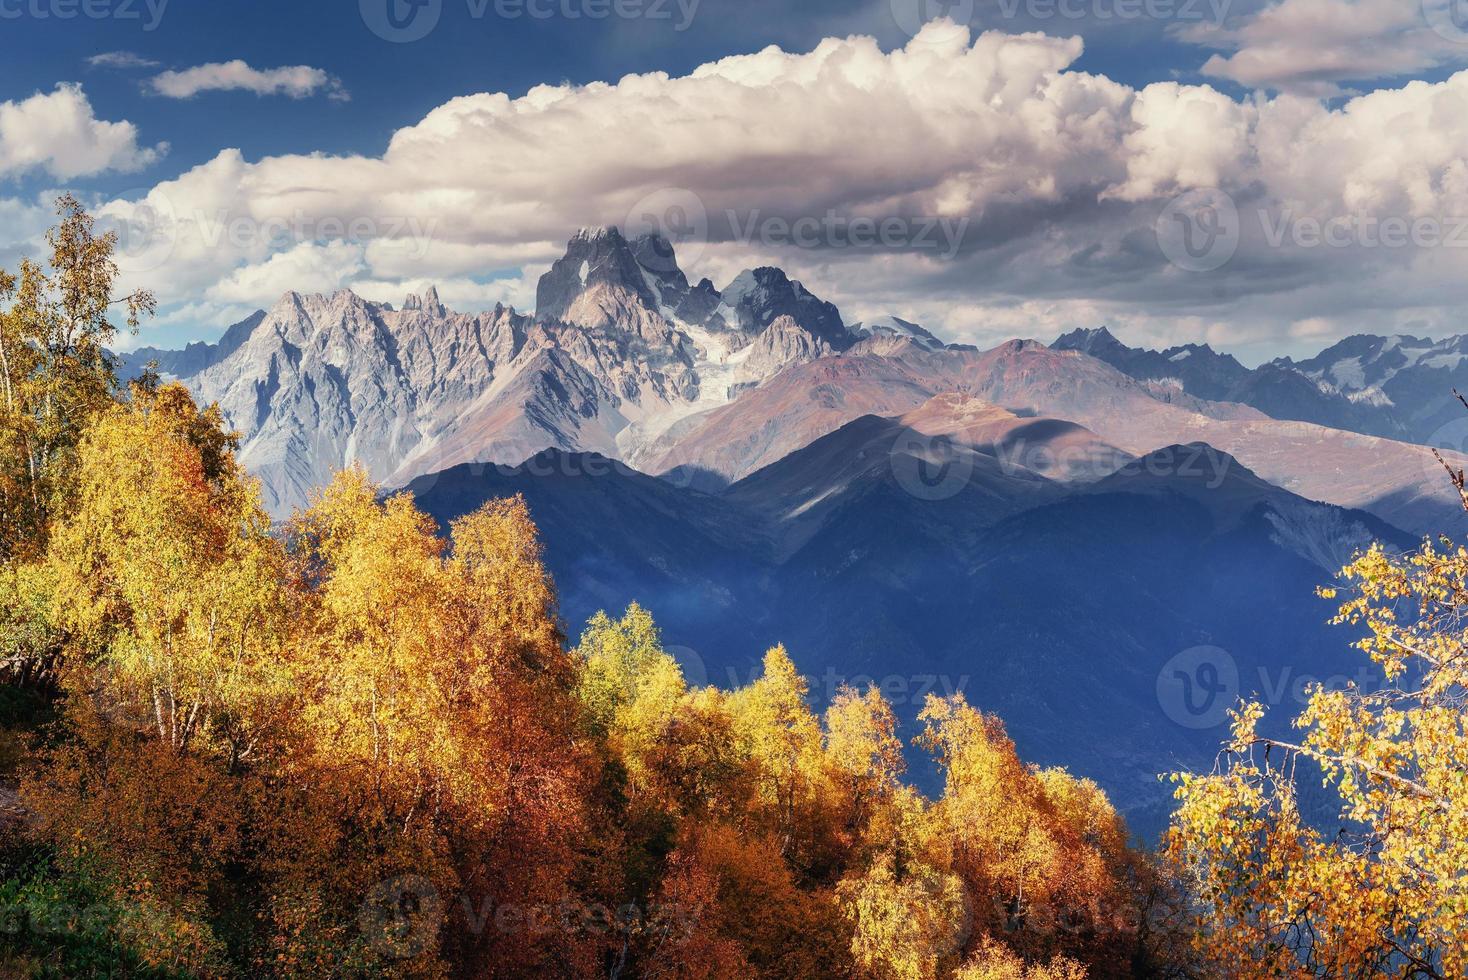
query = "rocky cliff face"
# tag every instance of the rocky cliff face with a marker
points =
(322, 382)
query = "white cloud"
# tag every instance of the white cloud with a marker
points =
(297, 81)
(58, 133)
(1313, 46)
(306, 268)
(121, 60)
(1061, 176)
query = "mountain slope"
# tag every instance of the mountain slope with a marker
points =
(1058, 605)
(628, 360)
(1400, 483)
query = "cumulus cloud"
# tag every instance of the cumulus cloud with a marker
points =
(1313, 46)
(307, 268)
(58, 133)
(1056, 179)
(297, 81)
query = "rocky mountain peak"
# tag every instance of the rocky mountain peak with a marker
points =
(1088, 340)
(895, 328)
(594, 257)
(760, 296)
(426, 303)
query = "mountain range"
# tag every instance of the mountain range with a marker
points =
(1398, 386)
(1045, 527)
(627, 359)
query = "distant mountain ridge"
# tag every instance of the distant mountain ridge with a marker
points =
(1398, 387)
(1276, 389)
(626, 358)
(1409, 378)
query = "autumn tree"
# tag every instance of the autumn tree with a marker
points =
(776, 730)
(1043, 855)
(173, 603)
(1381, 890)
(864, 755)
(439, 717)
(55, 369)
(165, 576)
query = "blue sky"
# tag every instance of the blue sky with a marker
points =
(1171, 97)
